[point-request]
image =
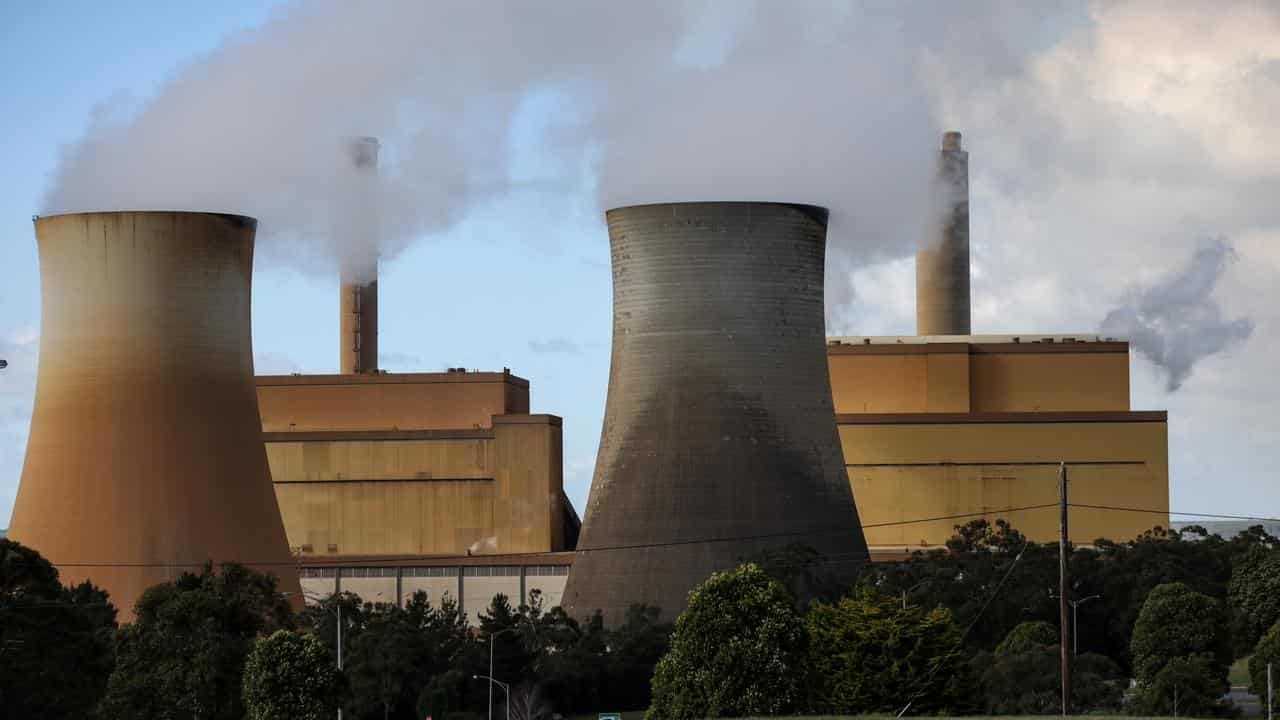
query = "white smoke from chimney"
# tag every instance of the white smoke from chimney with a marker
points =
(1176, 322)
(818, 102)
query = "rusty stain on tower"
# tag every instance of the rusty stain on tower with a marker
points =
(719, 439)
(145, 457)
(942, 263)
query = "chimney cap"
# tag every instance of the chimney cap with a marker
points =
(951, 140)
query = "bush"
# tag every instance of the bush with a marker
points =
(737, 650)
(291, 676)
(870, 655)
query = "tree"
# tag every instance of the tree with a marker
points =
(1186, 686)
(291, 676)
(1181, 642)
(56, 643)
(1023, 676)
(870, 655)
(184, 655)
(737, 650)
(400, 659)
(1255, 592)
(1267, 651)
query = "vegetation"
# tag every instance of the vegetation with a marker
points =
(184, 655)
(55, 642)
(968, 629)
(291, 676)
(1181, 653)
(869, 654)
(1023, 676)
(1267, 651)
(738, 650)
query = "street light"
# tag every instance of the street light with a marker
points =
(1075, 626)
(913, 587)
(320, 600)
(492, 637)
(505, 688)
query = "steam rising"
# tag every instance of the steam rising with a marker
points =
(818, 102)
(1176, 322)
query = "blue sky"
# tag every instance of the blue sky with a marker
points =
(483, 296)
(1107, 142)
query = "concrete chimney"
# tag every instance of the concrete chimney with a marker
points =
(942, 264)
(145, 457)
(358, 304)
(719, 439)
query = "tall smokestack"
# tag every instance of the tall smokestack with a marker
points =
(358, 304)
(719, 438)
(145, 456)
(942, 266)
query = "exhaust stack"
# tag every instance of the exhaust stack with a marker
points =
(942, 265)
(145, 457)
(358, 304)
(719, 438)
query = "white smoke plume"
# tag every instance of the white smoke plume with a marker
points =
(1176, 322)
(815, 101)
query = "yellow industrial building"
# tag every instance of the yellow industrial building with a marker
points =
(945, 426)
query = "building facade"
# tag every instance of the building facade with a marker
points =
(951, 426)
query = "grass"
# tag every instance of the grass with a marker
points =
(1239, 673)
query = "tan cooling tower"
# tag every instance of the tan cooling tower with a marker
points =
(145, 456)
(942, 264)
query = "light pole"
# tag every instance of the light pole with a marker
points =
(1075, 626)
(913, 587)
(492, 637)
(505, 688)
(338, 602)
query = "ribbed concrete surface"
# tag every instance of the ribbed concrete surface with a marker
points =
(942, 266)
(719, 436)
(145, 456)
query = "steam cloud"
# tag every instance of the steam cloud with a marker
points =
(819, 102)
(1176, 322)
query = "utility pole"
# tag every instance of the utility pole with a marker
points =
(1064, 619)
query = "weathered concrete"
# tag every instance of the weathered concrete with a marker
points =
(719, 439)
(145, 457)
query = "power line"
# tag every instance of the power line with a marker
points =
(1207, 516)
(345, 562)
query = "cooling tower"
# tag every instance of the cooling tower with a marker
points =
(719, 438)
(942, 264)
(145, 456)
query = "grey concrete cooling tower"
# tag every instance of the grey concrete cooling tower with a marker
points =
(942, 263)
(719, 436)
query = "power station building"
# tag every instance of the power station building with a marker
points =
(730, 427)
(950, 425)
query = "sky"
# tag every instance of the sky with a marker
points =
(1122, 170)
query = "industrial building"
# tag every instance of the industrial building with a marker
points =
(947, 424)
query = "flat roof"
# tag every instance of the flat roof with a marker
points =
(388, 378)
(972, 344)
(1000, 418)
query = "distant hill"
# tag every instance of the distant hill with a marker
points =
(1229, 528)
